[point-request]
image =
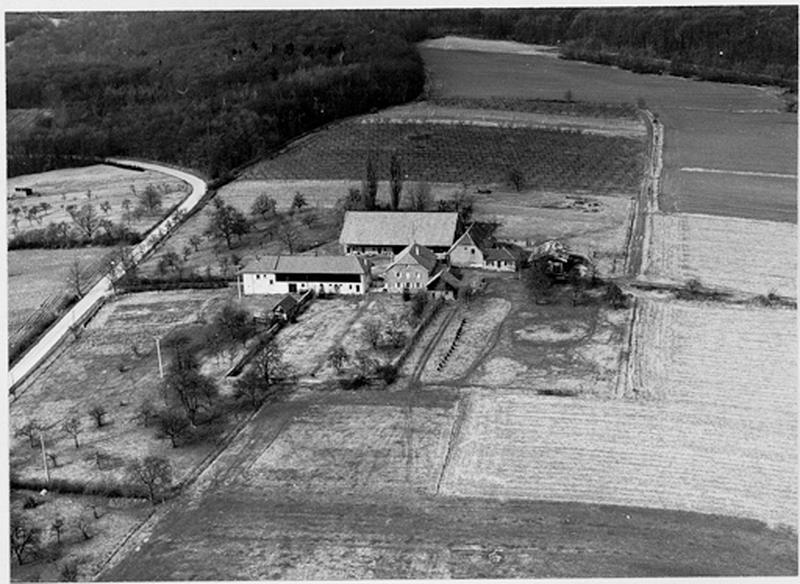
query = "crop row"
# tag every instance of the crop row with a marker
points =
(547, 159)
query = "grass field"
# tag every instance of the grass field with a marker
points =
(118, 517)
(725, 125)
(755, 257)
(710, 427)
(89, 372)
(69, 186)
(35, 275)
(549, 159)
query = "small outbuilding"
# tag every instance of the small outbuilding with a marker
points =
(297, 273)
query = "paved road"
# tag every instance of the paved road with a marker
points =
(51, 338)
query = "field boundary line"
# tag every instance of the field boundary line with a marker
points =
(624, 368)
(455, 432)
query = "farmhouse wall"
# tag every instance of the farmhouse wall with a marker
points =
(466, 256)
(269, 283)
(413, 277)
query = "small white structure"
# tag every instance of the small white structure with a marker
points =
(296, 273)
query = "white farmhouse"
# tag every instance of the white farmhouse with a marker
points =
(297, 273)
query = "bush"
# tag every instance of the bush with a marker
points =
(388, 373)
(353, 383)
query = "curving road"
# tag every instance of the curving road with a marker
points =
(50, 340)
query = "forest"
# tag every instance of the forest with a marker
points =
(215, 90)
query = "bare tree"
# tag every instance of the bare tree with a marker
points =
(299, 201)
(195, 241)
(226, 221)
(145, 413)
(337, 358)
(86, 219)
(421, 198)
(57, 526)
(31, 430)
(372, 332)
(395, 331)
(194, 391)
(260, 380)
(150, 200)
(84, 524)
(155, 473)
(105, 207)
(264, 205)
(98, 413)
(173, 425)
(76, 281)
(395, 180)
(25, 538)
(289, 234)
(69, 571)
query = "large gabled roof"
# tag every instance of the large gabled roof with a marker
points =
(415, 254)
(399, 228)
(306, 264)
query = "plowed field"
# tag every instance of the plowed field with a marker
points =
(747, 255)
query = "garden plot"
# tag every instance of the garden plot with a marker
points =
(117, 518)
(96, 184)
(746, 255)
(390, 312)
(714, 429)
(113, 364)
(356, 449)
(469, 335)
(319, 329)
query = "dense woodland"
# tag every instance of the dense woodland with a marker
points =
(213, 91)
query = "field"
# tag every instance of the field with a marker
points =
(35, 275)
(310, 514)
(118, 517)
(548, 159)
(60, 188)
(755, 257)
(725, 125)
(114, 364)
(710, 427)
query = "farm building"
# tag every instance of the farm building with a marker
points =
(501, 259)
(443, 284)
(477, 249)
(379, 232)
(467, 251)
(411, 269)
(286, 308)
(296, 273)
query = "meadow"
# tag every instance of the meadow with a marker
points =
(744, 255)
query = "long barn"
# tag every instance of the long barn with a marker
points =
(381, 232)
(296, 273)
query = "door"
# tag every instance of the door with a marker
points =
(292, 288)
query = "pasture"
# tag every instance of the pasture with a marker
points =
(114, 364)
(97, 184)
(548, 159)
(36, 275)
(745, 255)
(709, 426)
(725, 125)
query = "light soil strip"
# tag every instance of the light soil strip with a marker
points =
(739, 172)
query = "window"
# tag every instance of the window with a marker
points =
(270, 281)
(357, 288)
(417, 284)
(397, 285)
(397, 273)
(472, 251)
(351, 287)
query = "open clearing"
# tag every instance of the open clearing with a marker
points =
(725, 125)
(88, 372)
(35, 275)
(457, 43)
(69, 186)
(548, 159)
(711, 427)
(746, 255)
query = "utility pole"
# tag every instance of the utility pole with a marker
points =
(44, 459)
(160, 363)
